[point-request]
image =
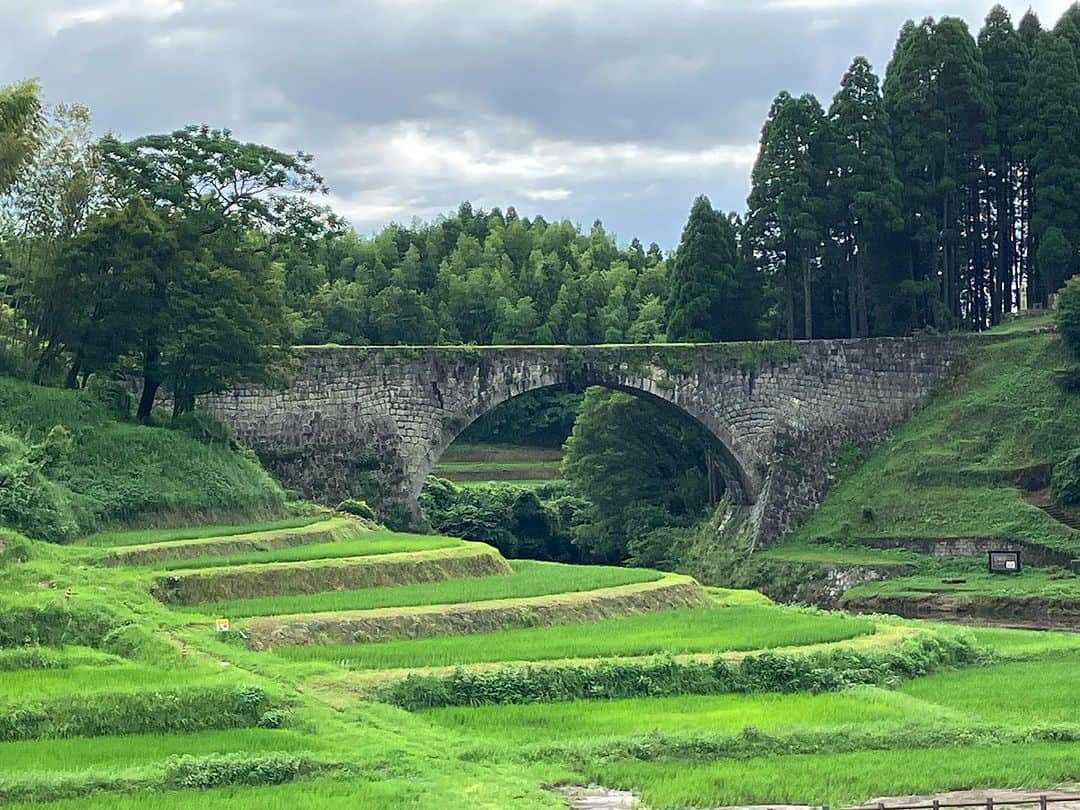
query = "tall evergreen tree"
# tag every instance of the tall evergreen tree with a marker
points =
(1005, 56)
(785, 221)
(864, 191)
(1053, 93)
(703, 278)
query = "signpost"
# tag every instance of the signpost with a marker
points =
(1004, 562)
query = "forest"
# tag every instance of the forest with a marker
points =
(942, 197)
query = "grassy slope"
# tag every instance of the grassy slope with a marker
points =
(946, 471)
(122, 472)
(529, 578)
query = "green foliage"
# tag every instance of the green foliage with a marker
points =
(640, 470)
(1068, 315)
(200, 773)
(69, 468)
(542, 418)
(354, 506)
(512, 519)
(1066, 480)
(134, 713)
(767, 672)
(704, 303)
(20, 124)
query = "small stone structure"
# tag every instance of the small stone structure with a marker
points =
(373, 421)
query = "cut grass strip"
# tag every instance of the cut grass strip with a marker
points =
(318, 576)
(134, 537)
(369, 544)
(991, 693)
(687, 630)
(670, 591)
(529, 578)
(590, 720)
(29, 685)
(837, 779)
(78, 754)
(325, 531)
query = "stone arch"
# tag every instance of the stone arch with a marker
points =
(739, 472)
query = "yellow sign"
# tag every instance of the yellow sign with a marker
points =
(223, 625)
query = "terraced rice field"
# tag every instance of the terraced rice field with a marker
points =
(682, 631)
(528, 578)
(715, 697)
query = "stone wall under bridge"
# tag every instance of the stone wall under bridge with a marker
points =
(373, 421)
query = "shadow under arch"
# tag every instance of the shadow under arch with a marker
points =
(737, 480)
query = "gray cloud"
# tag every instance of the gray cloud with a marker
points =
(616, 109)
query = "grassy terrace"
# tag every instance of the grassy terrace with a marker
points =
(529, 578)
(843, 778)
(688, 630)
(30, 685)
(17, 759)
(138, 537)
(585, 720)
(369, 544)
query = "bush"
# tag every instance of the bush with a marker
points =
(354, 506)
(200, 773)
(202, 427)
(52, 624)
(1068, 379)
(767, 672)
(14, 548)
(1065, 483)
(1068, 314)
(115, 713)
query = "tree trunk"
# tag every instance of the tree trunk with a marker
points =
(151, 380)
(789, 308)
(808, 304)
(72, 380)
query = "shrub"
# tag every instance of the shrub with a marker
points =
(354, 506)
(768, 672)
(202, 427)
(1068, 314)
(140, 712)
(13, 548)
(1068, 379)
(199, 773)
(1065, 483)
(52, 624)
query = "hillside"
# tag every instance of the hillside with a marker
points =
(369, 669)
(69, 467)
(967, 473)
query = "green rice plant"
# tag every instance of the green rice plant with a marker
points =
(1042, 691)
(138, 537)
(592, 720)
(839, 779)
(686, 630)
(28, 685)
(117, 754)
(373, 544)
(529, 578)
(36, 657)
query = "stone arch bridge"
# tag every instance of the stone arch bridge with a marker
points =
(373, 421)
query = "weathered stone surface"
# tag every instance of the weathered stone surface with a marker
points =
(373, 421)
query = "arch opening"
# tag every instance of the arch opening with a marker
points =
(634, 458)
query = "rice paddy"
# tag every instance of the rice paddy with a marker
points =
(687, 630)
(529, 578)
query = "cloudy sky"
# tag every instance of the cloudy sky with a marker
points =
(617, 109)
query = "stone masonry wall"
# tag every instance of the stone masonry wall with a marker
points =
(373, 421)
